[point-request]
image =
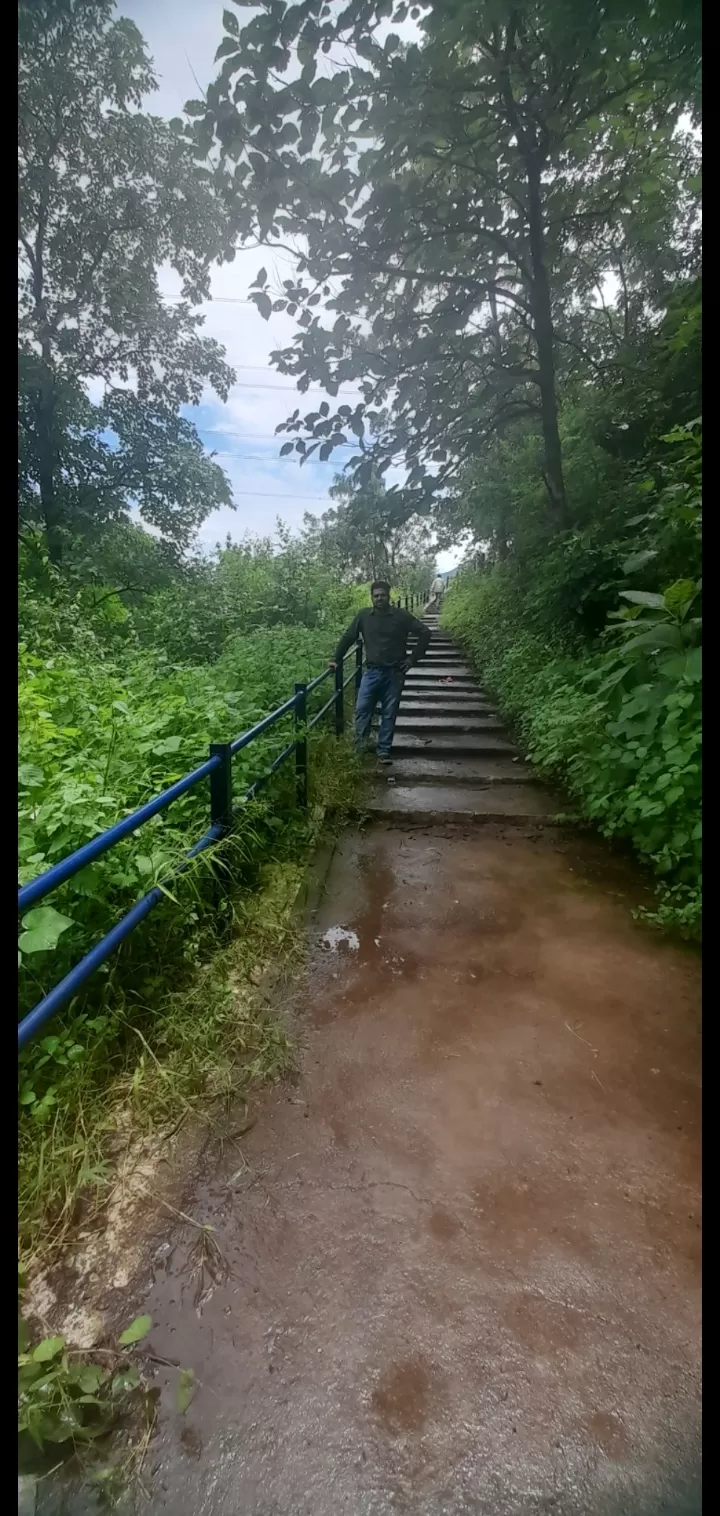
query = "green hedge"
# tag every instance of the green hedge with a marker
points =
(620, 728)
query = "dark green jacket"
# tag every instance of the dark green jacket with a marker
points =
(385, 637)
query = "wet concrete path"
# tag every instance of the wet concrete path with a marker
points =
(463, 1250)
(460, 1254)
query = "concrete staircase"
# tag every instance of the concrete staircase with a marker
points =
(452, 757)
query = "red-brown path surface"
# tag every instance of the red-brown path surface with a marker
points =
(464, 1256)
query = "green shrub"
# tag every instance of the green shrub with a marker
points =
(619, 727)
(103, 726)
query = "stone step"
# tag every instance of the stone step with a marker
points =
(439, 670)
(503, 769)
(454, 744)
(429, 660)
(431, 724)
(428, 675)
(511, 803)
(422, 688)
(447, 695)
(412, 711)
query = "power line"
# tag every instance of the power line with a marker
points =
(278, 495)
(288, 388)
(270, 457)
(263, 458)
(219, 431)
(255, 368)
(313, 389)
(249, 367)
(209, 300)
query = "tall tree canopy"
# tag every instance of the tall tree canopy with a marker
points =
(367, 534)
(452, 199)
(109, 194)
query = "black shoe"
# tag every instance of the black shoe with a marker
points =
(384, 758)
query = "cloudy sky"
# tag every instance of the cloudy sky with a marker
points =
(182, 36)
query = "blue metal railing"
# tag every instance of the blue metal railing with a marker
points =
(218, 769)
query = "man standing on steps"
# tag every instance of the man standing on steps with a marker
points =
(384, 631)
(437, 590)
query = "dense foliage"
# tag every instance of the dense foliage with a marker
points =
(460, 178)
(609, 700)
(108, 193)
(117, 700)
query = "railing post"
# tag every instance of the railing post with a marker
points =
(221, 787)
(301, 779)
(339, 699)
(406, 602)
(358, 668)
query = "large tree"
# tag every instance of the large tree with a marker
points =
(108, 194)
(441, 193)
(367, 534)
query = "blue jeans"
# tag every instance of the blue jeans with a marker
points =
(385, 685)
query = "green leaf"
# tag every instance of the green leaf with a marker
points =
(227, 48)
(264, 305)
(137, 1329)
(679, 596)
(656, 637)
(91, 1377)
(125, 1381)
(49, 1348)
(230, 22)
(167, 745)
(30, 777)
(644, 597)
(185, 1390)
(639, 560)
(684, 666)
(693, 664)
(44, 927)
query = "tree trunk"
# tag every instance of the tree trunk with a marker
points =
(501, 547)
(545, 343)
(45, 419)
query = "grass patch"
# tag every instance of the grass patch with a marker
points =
(176, 1032)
